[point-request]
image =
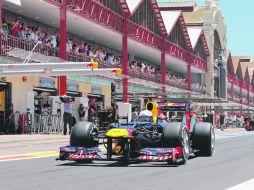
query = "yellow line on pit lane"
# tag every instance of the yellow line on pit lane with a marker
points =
(40, 154)
(35, 155)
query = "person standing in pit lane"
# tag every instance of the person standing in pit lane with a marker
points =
(68, 114)
(81, 112)
(222, 118)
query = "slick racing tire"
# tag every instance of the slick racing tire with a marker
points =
(175, 135)
(81, 135)
(203, 138)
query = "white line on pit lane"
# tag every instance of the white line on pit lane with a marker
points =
(248, 185)
(233, 135)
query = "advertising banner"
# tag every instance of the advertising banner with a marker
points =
(72, 86)
(46, 82)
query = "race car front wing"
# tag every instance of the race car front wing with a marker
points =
(173, 155)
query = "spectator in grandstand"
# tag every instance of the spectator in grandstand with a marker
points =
(89, 49)
(69, 45)
(135, 66)
(85, 49)
(75, 49)
(101, 55)
(49, 45)
(22, 33)
(57, 40)
(81, 47)
(36, 35)
(143, 67)
(15, 30)
(91, 54)
(5, 29)
(110, 59)
(95, 55)
(152, 70)
(53, 41)
(117, 61)
(148, 69)
(31, 36)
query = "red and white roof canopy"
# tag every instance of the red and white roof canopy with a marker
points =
(170, 19)
(196, 34)
(130, 6)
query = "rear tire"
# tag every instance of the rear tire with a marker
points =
(176, 135)
(81, 135)
(203, 139)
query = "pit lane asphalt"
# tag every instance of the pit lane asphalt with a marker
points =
(231, 164)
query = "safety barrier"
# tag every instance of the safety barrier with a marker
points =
(47, 124)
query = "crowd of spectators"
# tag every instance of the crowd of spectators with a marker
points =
(36, 34)
(198, 87)
(234, 97)
(144, 68)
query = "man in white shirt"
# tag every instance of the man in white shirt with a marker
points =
(143, 66)
(31, 37)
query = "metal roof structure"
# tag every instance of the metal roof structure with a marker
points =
(170, 18)
(195, 35)
(130, 6)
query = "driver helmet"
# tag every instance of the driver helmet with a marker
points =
(145, 116)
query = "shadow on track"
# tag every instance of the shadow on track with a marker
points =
(119, 164)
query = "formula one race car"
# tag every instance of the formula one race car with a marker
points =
(152, 138)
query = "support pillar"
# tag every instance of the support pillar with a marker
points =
(248, 99)
(241, 98)
(1, 6)
(1, 17)
(163, 70)
(232, 93)
(61, 82)
(125, 64)
(189, 78)
(248, 96)
(232, 89)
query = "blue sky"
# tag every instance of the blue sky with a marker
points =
(238, 17)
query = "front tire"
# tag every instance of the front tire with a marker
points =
(175, 135)
(203, 138)
(81, 135)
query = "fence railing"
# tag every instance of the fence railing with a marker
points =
(148, 77)
(9, 42)
(144, 35)
(97, 12)
(234, 98)
(198, 62)
(47, 124)
(19, 123)
(176, 51)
